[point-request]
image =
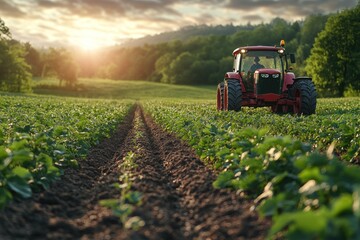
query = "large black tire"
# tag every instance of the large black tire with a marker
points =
(304, 94)
(232, 95)
(220, 97)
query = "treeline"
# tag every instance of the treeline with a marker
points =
(205, 59)
(326, 48)
(186, 33)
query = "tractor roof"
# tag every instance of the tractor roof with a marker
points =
(258, 48)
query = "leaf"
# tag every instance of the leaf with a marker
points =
(74, 163)
(301, 162)
(110, 203)
(5, 158)
(356, 201)
(134, 223)
(318, 160)
(279, 222)
(223, 180)
(308, 222)
(22, 173)
(20, 186)
(343, 204)
(133, 197)
(5, 197)
(22, 155)
(268, 207)
(18, 145)
(3, 153)
(44, 182)
(123, 211)
(59, 131)
(310, 174)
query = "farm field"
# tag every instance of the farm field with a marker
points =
(129, 120)
(123, 89)
(117, 169)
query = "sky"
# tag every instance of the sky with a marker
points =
(90, 24)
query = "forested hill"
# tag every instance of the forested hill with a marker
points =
(186, 33)
(326, 46)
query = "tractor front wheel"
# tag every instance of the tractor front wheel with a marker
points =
(304, 94)
(232, 95)
(220, 97)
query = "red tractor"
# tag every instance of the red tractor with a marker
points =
(262, 77)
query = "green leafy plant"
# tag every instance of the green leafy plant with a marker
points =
(39, 137)
(285, 163)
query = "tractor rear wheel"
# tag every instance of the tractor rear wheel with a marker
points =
(220, 96)
(304, 94)
(232, 95)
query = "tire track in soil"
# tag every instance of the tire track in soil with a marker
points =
(179, 201)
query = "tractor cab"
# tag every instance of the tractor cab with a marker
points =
(261, 69)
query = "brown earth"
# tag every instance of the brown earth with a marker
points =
(178, 200)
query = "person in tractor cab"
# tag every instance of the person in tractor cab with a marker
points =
(256, 65)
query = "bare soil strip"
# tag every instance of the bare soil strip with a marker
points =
(178, 200)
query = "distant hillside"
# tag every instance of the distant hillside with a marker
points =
(186, 33)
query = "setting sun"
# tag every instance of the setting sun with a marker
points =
(89, 44)
(89, 39)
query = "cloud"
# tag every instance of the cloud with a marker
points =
(54, 20)
(10, 9)
(253, 18)
(108, 8)
(295, 8)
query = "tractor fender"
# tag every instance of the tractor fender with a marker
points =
(302, 78)
(234, 75)
(293, 80)
(288, 80)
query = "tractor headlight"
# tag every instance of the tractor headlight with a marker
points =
(275, 75)
(264, 75)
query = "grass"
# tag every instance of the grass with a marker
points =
(124, 89)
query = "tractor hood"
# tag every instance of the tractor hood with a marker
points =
(267, 70)
(267, 81)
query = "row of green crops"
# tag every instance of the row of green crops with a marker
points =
(40, 136)
(337, 120)
(286, 163)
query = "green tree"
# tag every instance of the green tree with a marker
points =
(61, 62)
(15, 73)
(4, 31)
(180, 69)
(33, 58)
(334, 63)
(311, 27)
(162, 70)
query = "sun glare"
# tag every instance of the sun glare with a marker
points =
(89, 44)
(88, 40)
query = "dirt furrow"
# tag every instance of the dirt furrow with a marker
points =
(198, 210)
(161, 209)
